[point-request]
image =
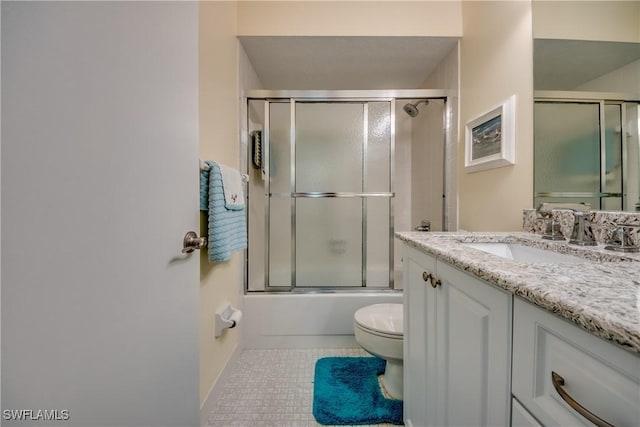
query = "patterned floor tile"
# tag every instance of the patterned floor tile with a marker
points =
(272, 388)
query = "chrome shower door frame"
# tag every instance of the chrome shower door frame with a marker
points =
(357, 96)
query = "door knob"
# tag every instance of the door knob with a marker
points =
(192, 242)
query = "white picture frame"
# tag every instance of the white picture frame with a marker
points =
(490, 138)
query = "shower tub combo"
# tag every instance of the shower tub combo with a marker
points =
(330, 180)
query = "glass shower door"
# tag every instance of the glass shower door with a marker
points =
(329, 149)
(329, 194)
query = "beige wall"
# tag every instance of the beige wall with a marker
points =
(359, 18)
(496, 61)
(219, 108)
(587, 20)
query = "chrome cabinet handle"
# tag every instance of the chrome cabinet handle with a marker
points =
(558, 382)
(192, 242)
(428, 277)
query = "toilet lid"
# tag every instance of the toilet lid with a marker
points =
(384, 318)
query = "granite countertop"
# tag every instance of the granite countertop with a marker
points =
(601, 295)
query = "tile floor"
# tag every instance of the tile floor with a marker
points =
(272, 388)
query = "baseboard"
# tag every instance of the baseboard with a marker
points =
(216, 390)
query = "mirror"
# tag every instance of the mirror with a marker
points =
(587, 92)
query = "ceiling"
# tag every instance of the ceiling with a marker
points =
(567, 64)
(335, 63)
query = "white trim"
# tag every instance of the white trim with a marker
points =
(507, 154)
(348, 94)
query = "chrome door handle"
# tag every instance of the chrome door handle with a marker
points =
(558, 382)
(192, 242)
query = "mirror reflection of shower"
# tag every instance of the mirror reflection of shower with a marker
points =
(412, 109)
(587, 151)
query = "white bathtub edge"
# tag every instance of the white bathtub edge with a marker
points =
(305, 320)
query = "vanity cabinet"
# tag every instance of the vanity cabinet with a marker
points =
(457, 346)
(600, 376)
(520, 417)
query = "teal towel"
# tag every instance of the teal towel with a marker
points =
(204, 190)
(227, 228)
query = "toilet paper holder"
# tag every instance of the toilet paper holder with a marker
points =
(226, 317)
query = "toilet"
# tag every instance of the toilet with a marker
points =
(378, 330)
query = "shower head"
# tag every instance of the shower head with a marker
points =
(412, 109)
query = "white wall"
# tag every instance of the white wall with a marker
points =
(496, 61)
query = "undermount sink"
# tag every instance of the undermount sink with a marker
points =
(521, 253)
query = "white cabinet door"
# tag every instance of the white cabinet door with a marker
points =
(475, 325)
(457, 347)
(419, 340)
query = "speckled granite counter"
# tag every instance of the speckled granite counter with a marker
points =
(601, 295)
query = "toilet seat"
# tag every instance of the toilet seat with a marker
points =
(384, 320)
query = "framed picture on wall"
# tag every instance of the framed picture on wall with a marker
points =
(490, 138)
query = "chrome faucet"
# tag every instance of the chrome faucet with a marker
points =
(582, 235)
(621, 240)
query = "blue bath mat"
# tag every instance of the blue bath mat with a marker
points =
(346, 392)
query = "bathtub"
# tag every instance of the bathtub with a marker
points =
(306, 320)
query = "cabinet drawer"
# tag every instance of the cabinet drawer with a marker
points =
(600, 376)
(520, 417)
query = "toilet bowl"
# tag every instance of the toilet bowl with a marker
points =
(378, 330)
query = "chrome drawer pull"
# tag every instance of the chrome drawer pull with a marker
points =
(558, 382)
(426, 276)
